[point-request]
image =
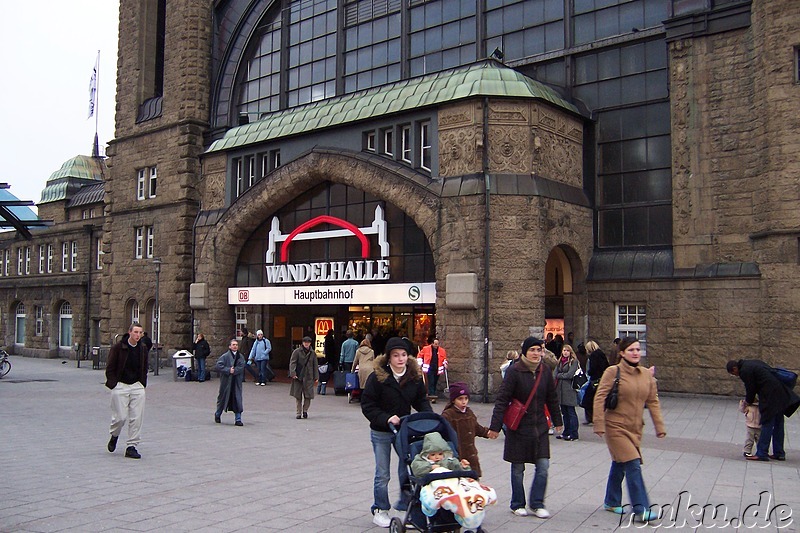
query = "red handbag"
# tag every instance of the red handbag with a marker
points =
(516, 409)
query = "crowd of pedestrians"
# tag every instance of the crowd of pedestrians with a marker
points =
(397, 378)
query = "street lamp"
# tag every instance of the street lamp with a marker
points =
(157, 314)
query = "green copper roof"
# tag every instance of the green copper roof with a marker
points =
(485, 78)
(73, 173)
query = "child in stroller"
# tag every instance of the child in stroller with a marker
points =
(446, 496)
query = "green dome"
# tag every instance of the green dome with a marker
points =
(73, 174)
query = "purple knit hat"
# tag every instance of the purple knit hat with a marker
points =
(458, 389)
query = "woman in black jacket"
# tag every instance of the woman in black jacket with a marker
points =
(390, 393)
(201, 351)
(598, 362)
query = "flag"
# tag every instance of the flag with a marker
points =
(93, 87)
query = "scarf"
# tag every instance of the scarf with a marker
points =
(634, 365)
(528, 364)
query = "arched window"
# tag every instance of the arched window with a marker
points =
(19, 337)
(65, 326)
(134, 312)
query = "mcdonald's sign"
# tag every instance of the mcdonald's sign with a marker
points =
(322, 325)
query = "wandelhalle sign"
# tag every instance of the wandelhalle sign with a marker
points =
(352, 277)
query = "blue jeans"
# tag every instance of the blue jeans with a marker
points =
(382, 447)
(262, 370)
(632, 472)
(570, 421)
(538, 486)
(433, 379)
(201, 368)
(771, 429)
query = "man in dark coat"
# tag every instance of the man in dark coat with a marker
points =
(775, 400)
(126, 376)
(304, 373)
(230, 366)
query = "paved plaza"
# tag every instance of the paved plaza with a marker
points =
(281, 474)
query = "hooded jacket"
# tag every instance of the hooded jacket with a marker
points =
(433, 442)
(383, 397)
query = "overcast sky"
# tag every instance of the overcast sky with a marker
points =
(49, 50)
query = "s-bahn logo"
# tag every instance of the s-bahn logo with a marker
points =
(364, 270)
(414, 292)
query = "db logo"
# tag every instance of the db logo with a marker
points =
(244, 296)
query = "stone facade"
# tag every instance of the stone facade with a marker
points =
(170, 142)
(727, 287)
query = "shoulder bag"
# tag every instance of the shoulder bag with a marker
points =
(516, 409)
(613, 395)
(579, 379)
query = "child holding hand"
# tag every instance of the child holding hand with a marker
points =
(464, 421)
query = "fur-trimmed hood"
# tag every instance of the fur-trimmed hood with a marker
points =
(383, 371)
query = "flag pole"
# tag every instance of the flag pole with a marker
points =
(97, 108)
(94, 98)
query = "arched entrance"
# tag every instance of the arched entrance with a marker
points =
(565, 305)
(336, 257)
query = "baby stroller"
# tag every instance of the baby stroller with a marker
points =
(407, 444)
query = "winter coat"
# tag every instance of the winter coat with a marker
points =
(331, 351)
(598, 362)
(118, 356)
(624, 425)
(260, 350)
(467, 428)
(230, 385)
(529, 441)
(303, 364)
(774, 398)
(426, 354)
(433, 442)
(246, 344)
(365, 358)
(383, 397)
(201, 349)
(564, 374)
(348, 351)
(752, 417)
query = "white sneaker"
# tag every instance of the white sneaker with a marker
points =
(520, 512)
(381, 518)
(541, 512)
(551, 431)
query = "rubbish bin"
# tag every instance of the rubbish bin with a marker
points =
(183, 363)
(96, 357)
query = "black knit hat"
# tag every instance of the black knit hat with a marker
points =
(395, 343)
(530, 341)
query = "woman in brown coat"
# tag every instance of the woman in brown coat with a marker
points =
(622, 427)
(365, 357)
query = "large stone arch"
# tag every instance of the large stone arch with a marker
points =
(410, 191)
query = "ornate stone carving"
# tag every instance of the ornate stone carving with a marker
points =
(557, 158)
(509, 149)
(457, 116)
(508, 113)
(681, 155)
(458, 152)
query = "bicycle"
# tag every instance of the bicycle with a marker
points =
(5, 364)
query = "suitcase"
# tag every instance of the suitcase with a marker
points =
(350, 381)
(339, 383)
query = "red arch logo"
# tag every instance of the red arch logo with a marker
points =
(326, 219)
